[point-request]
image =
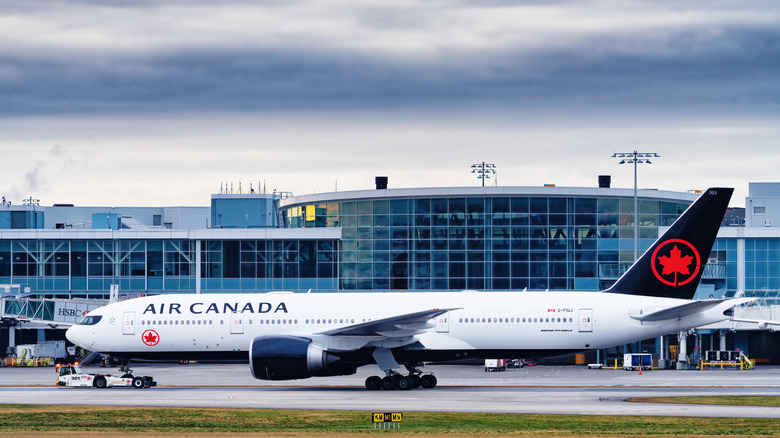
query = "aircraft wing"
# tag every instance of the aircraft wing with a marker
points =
(400, 326)
(686, 309)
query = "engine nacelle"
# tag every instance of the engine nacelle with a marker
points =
(290, 357)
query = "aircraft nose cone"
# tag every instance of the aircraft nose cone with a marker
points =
(72, 334)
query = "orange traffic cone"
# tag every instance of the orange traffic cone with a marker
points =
(640, 371)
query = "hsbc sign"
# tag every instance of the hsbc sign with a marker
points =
(68, 312)
(71, 312)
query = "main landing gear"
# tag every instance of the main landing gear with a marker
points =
(395, 380)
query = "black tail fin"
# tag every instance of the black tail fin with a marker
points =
(673, 266)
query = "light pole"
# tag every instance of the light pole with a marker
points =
(483, 170)
(635, 158)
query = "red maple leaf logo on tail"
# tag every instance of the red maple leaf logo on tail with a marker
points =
(675, 263)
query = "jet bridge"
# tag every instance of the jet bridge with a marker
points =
(49, 311)
(20, 309)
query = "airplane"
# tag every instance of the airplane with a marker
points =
(288, 336)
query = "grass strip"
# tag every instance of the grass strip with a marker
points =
(730, 400)
(150, 421)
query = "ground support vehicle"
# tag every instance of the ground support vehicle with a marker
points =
(495, 365)
(637, 361)
(72, 375)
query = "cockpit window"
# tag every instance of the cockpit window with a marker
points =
(90, 320)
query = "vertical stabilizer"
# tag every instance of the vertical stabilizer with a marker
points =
(673, 266)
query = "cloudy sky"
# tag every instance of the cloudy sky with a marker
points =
(159, 102)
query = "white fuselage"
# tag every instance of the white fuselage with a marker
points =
(171, 325)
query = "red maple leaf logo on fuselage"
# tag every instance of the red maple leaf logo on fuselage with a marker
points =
(675, 263)
(150, 338)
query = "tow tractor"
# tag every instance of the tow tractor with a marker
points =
(71, 375)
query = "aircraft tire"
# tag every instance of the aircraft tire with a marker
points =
(388, 383)
(373, 383)
(428, 381)
(417, 381)
(406, 383)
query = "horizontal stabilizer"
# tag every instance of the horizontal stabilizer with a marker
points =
(762, 323)
(686, 309)
(408, 324)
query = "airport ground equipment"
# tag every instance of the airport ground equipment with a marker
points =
(495, 365)
(72, 375)
(637, 361)
(726, 358)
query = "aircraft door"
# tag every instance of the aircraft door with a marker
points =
(237, 323)
(443, 323)
(128, 323)
(586, 320)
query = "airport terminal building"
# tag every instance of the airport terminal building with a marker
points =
(429, 239)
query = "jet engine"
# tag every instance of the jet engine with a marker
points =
(291, 357)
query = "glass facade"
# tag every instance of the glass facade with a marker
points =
(762, 266)
(168, 265)
(486, 242)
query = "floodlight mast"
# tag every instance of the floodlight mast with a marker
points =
(483, 170)
(635, 158)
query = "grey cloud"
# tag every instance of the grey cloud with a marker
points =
(689, 67)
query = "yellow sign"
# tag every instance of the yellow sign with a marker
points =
(387, 417)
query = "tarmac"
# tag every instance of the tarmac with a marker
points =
(462, 388)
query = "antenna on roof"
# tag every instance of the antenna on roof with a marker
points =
(239, 188)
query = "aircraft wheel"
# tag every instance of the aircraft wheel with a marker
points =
(100, 382)
(417, 381)
(406, 383)
(373, 383)
(388, 382)
(138, 382)
(147, 381)
(428, 381)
